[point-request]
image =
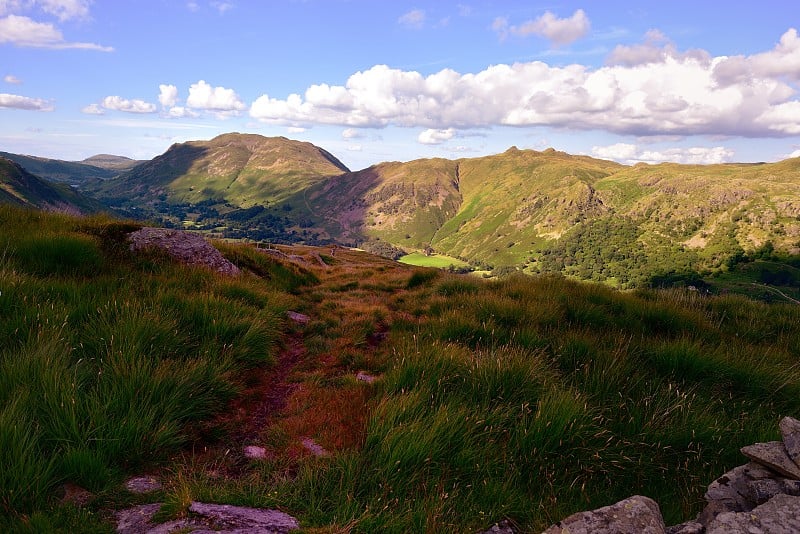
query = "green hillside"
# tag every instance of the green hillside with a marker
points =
(241, 169)
(19, 187)
(442, 403)
(70, 172)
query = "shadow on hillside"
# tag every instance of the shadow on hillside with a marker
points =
(338, 205)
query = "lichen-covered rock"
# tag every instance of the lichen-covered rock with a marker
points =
(773, 455)
(634, 515)
(790, 433)
(185, 247)
(142, 485)
(207, 519)
(690, 527)
(781, 515)
(503, 527)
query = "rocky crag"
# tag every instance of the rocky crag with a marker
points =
(758, 497)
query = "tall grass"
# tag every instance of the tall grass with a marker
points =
(107, 358)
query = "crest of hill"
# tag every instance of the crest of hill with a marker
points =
(20, 187)
(458, 205)
(242, 169)
(70, 172)
(111, 162)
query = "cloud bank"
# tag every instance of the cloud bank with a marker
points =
(650, 89)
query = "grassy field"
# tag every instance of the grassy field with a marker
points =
(438, 261)
(525, 398)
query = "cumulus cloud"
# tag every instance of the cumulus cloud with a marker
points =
(436, 137)
(117, 103)
(673, 94)
(13, 80)
(167, 95)
(351, 133)
(181, 112)
(8, 101)
(218, 99)
(222, 7)
(65, 9)
(25, 32)
(632, 154)
(558, 31)
(93, 109)
(295, 129)
(795, 154)
(656, 48)
(414, 19)
(783, 61)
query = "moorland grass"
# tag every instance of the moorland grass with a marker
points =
(107, 359)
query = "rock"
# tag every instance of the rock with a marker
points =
(185, 247)
(781, 515)
(299, 318)
(366, 377)
(254, 452)
(729, 491)
(241, 519)
(314, 448)
(503, 527)
(142, 485)
(634, 515)
(774, 456)
(207, 519)
(790, 432)
(76, 495)
(690, 527)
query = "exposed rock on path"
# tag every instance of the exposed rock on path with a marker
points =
(207, 519)
(185, 247)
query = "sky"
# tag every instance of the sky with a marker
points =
(648, 81)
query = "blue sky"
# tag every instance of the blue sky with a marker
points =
(692, 82)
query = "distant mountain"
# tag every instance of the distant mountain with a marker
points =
(18, 186)
(54, 170)
(538, 211)
(241, 169)
(111, 162)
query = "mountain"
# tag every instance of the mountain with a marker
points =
(19, 187)
(538, 211)
(243, 170)
(111, 162)
(54, 170)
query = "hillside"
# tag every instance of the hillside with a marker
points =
(242, 170)
(20, 187)
(111, 162)
(458, 401)
(69, 172)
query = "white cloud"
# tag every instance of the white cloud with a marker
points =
(93, 109)
(219, 99)
(795, 154)
(25, 32)
(65, 9)
(677, 94)
(414, 19)
(8, 101)
(295, 129)
(655, 49)
(181, 112)
(630, 154)
(354, 148)
(558, 31)
(781, 61)
(118, 103)
(222, 7)
(351, 133)
(167, 95)
(436, 137)
(10, 78)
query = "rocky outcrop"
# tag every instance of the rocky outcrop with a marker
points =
(760, 496)
(185, 247)
(634, 515)
(207, 519)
